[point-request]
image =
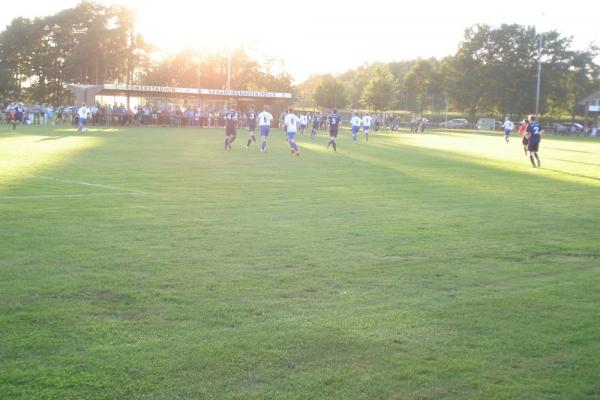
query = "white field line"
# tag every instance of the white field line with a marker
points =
(98, 185)
(116, 191)
(59, 196)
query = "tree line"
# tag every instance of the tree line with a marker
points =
(93, 43)
(494, 71)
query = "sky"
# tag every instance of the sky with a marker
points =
(316, 36)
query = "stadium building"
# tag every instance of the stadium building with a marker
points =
(161, 97)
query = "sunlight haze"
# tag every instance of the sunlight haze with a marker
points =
(325, 37)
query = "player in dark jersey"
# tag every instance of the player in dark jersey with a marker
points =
(534, 132)
(316, 119)
(19, 112)
(251, 117)
(334, 124)
(230, 125)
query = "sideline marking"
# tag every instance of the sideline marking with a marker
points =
(57, 196)
(115, 190)
(50, 178)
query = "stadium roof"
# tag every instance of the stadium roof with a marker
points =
(87, 93)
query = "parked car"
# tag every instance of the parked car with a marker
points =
(568, 128)
(488, 124)
(459, 123)
(573, 128)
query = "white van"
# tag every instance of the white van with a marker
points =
(486, 124)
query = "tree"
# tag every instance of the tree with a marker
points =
(423, 82)
(355, 82)
(381, 90)
(189, 68)
(89, 43)
(330, 93)
(495, 71)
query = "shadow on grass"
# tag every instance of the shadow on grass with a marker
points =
(496, 163)
(52, 138)
(571, 174)
(568, 150)
(577, 162)
(464, 176)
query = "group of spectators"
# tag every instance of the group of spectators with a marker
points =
(117, 114)
(34, 114)
(120, 115)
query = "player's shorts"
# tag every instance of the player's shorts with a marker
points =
(302, 126)
(230, 131)
(534, 144)
(81, 121)
(264, 130)
(525, 141)
(366, 129)
(333, 132)
(355, 129)
(506, 132)
(251, 128)
(291, 135)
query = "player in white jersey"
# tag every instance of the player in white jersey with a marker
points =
(83, 114)
(508, 127)
(291, 123)
(366, 123)
(355, 122)
(264, 123)
(303, 122)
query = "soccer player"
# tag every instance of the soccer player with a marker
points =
(355, 121)
(264, 122)
(315, 125)
(508, 127)
(230, 125)
(303, 122)
(251, 126)
(83, 114)
(534, 132)
(334, 124)
(18, 112)
(523, 132)
(366, 123)
(291, 122)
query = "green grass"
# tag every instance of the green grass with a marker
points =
(151, 264)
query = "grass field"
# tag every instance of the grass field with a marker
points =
(151, 264)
